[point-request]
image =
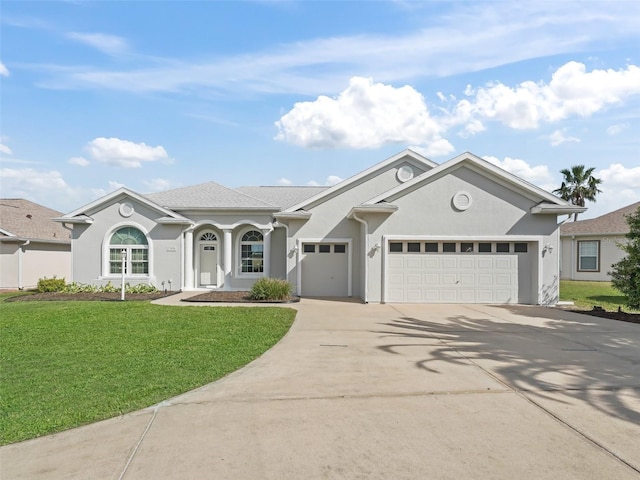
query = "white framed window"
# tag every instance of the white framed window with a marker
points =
(136, 246)
(252, 252)
(589, 256)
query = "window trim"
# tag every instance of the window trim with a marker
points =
(598, 255)
(240, 243)
(107, 247)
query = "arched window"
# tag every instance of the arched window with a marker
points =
(208, 237)
(251, 252)
(135, 243)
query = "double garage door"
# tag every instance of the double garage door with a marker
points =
(462, 277)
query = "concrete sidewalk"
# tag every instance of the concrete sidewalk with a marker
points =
(386, 391)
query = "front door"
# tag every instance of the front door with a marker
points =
(208, 265)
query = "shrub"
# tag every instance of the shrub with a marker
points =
(140, 288)
(74, 287)
(625, 274)
(51, 284)
(270, 289)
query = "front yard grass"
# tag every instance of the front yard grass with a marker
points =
(586, 295)
(65, 364)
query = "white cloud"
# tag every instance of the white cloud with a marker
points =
(5, 150)
(333, 180)
(617, 177)
(35, 185)
(284, 181)
(559, 137)
(109, 44)
(572, 91)
(365, 115)
(113, 185)
(437, 148)
(80, 161)
(617, 129)
(123, 153)
(511, 32)
(538, 175)
(313, 183)
(4, 71)
(158, 184)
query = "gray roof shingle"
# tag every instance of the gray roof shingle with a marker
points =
(31, 221)
(206, 195)
(608, 224)
(282, 196)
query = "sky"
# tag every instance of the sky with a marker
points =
(151, 95)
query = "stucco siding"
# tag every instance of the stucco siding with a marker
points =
(609, 253)
(23, 266)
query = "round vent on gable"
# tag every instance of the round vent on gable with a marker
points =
(462, 200)
(405, 173)
(126, 209)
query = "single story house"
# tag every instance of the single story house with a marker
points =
(590, 247)
(32, 246)
(403, 230)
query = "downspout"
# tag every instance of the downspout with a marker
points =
(20, 253)
(354, 215)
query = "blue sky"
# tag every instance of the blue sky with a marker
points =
(159, 95)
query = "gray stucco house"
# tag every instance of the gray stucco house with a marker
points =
(590, 247)
(32, 246)
(404, 230)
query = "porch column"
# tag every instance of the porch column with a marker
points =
(227, 258)
(266, 254)
(188, 260)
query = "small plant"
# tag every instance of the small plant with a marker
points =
(270, 289)
(74, 287)
(140, 288)
(51, 284)
(109, 288)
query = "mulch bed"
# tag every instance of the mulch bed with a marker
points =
(622, 316)
(93, 296)
(233, 297)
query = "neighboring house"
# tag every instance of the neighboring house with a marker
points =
(32, 245)
(590, 247)
(404, 230)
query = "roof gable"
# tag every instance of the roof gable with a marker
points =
(406, 155)
(607, 224)
(22, 219)
(482, 167)
(85, 212)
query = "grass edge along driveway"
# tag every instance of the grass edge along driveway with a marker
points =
(586, 295)
(66, 364)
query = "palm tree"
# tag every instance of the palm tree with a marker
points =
(578, 186)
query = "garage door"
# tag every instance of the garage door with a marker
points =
(325, 270)
(464, 277)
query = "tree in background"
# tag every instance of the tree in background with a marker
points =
(578, 186)
(625, 274)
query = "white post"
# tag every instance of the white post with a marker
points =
(188, 260)
(227, 258)
(124, 263)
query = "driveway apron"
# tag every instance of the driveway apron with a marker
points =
(386, 391)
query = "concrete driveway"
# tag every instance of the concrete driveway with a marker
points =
(387, 391)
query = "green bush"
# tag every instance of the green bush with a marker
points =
(51, 284)
(140, 288)
(270, 289)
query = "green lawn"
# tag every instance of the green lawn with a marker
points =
(587, 294)
(65, 364)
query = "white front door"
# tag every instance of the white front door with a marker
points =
(208, 265)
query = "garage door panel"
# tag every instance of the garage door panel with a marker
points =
(452, 278)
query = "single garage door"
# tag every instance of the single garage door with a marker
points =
(453, 272)
(325, 270)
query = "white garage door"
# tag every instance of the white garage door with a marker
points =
(325, 270)
(452, 278)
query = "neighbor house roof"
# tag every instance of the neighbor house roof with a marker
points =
(607, 224)
(282, 196)
(21, 219)
(207, 195)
